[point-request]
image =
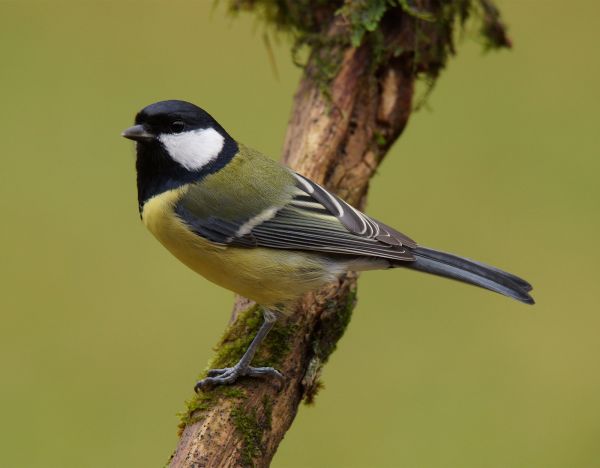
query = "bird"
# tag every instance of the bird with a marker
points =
(262, 230)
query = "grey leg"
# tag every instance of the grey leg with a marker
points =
(230, 374)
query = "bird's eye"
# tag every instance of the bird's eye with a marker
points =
(178, 126)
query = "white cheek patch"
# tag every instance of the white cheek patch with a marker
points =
(194, 149)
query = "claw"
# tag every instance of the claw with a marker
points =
(229, 375)
(264, 371)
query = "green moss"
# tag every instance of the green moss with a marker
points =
(379, 138)
(233, 392)
(364, 17)
(247, 424)
(276, 345)
(229, 350)
(237, 338)
(431, 30)
(267, 403)
(251, 427)
(334, 321)
(201, 402)
(240, 334)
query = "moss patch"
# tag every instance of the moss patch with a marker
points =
(430, 38)
(229, 350)
(237, 338)
(267, 403)
(240, 334)
(200, 403)
(334, 321)
(250, 428)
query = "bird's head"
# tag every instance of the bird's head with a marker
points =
(177, 143)
(181, 131)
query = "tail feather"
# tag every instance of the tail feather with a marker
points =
(470, 271)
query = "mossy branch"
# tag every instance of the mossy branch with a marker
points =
(352, 103)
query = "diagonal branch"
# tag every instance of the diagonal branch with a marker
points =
(338, 134)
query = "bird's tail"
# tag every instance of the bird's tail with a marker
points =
(470, 271)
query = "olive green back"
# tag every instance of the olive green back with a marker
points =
(248, 185)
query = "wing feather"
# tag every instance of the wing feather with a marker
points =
(312, 219)
(356, 222)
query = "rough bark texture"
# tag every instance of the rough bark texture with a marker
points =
(337, 140)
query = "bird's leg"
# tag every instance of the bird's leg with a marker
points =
(229, 375)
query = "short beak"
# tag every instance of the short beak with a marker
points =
(137, 133)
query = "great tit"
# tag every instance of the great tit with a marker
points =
(256, 227)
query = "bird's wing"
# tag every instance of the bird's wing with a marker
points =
(311, 218)
(355, 221)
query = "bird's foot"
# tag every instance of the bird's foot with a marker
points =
(229, 375)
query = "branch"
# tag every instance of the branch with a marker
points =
(338, 134)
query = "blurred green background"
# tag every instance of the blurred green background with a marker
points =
(103, 333)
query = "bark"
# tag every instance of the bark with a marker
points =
(337, 140)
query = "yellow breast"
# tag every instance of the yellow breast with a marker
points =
(268, 276)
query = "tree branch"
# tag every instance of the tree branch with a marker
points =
(338, 134)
